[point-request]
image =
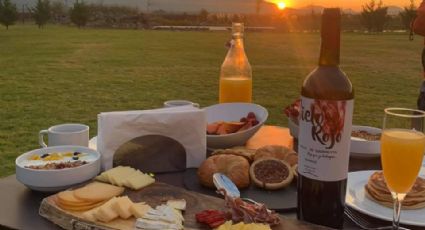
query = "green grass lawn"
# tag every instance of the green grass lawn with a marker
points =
(63, 74)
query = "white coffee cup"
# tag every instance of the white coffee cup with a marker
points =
(173, 103)
(65, 134)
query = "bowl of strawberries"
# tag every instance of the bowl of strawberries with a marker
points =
(232, 124)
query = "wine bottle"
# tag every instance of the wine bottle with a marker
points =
(327, 99)
(236, 73)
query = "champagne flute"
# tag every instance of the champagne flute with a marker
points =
(402, 150)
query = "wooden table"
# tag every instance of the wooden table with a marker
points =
(19, 205)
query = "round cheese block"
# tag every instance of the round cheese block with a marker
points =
(78, 208)
(97, 191)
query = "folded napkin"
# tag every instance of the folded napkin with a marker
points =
(158, 140)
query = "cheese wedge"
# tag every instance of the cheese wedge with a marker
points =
(179, 204)
(89, 215)
(152, 224)
(139, 209)
(106, 212)
(122, 206)
(97, 191)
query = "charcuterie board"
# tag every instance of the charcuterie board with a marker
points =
(153, 195)
(280, 200)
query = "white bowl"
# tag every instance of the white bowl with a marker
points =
(364, 148)
(233, 112)
(58, 179)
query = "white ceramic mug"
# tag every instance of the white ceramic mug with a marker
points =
(173, 103)
(65, 134)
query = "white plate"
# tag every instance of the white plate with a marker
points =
(356, 199)
(362, 148)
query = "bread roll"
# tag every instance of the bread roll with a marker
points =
(234, 167)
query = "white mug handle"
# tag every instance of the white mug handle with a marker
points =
(41, 138)
(196, 105)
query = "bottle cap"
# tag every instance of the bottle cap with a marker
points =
(237, 29)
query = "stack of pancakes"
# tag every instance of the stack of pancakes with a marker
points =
(376, 190)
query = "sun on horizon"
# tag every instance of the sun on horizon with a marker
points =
(281, 5)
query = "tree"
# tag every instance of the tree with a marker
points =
(374, 16)
(408, 15)
(58, 11)
(203, 15)
(8, 13)
(258, 6)
(41, 12)
(79, 13)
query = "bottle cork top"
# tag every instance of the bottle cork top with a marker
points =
(237, 29)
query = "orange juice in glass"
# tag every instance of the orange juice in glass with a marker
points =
(235, 89)
(402, 151)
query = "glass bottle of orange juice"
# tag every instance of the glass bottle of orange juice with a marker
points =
(236, 73)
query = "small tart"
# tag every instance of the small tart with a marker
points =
(278, 152)
(271, 173)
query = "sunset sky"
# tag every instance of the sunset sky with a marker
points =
(354, 4)
(244, 6)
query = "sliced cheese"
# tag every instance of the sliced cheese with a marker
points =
(242, 226)
(134, 174)
(237, 226)
(139, 181)
(104, 176)
(118, 176)
(106, 212)
(139, 209)
(89, 215)
(97, 191)
(152, 224)
(78, 208)
(122, 206)
(126, 176)
(179, 204)
(178, 214)
(68, 197)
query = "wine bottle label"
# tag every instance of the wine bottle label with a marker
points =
(324, 138)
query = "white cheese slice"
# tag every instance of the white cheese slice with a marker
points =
(152, 224)
(179, 204)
